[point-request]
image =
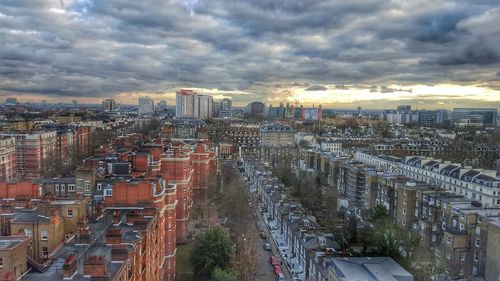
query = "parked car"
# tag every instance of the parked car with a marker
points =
(281, 277)
(274, 261)
(277, 270)
(267, 246)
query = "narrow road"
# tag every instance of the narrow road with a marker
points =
(264, 269)
(274, 249)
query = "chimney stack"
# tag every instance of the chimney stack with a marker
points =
(69, 267)
(54, 216)
(95, 266)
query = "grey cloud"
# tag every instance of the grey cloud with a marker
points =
(316, 88)
(478, 52)
(341, 87)
(99, 48)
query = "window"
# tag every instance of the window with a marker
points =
(70, 213)
(79, 183)
(87, 186)
(108, 192)
(99, 186)
(1, 262)
(71, 187)
(57, 187)
(62, 187)
(44, 235)
(45, 252)
(478, 242)
(28, 232)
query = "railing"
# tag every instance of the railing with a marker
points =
(38, 266)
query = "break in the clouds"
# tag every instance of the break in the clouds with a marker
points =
(91, 49)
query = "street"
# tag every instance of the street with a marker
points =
(265, 271)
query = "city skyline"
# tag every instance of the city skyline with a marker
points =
(340, 55)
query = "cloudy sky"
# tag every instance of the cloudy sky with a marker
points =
(373, 53)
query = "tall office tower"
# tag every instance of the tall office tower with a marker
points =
(226, 104)
(109, 104)
(256, 107)
(216, 108)
(204, 107)
(184, 103)
(146, 105)
(189, 104)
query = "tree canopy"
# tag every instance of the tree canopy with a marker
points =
(224, 275)
(212, 250)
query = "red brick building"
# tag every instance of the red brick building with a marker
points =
(33, 151)
(177, 168)
(151, 198)
(7, 158)
(19, 190)
(204, 164)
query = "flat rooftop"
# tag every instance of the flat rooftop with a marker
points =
(7, 243)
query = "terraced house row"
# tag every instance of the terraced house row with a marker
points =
(308, 250)
(118, 218)
(454, 209)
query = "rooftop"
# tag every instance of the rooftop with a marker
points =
(370, 269)
(9, 242)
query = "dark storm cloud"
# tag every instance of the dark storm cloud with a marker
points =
(476, 53)
(96, 48)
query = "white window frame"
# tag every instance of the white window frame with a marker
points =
(108, 192)
(68, 213)
(44, 235)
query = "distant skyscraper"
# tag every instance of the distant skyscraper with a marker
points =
(311, 113)
(184, 103)
(146, 105)
(216, 108)
(204, 107)
(109, 104)
(255, 107)
(189, 104)
(226, 104)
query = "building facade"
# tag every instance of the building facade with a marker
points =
(7, 158)
(146, 105)
(277, 134)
